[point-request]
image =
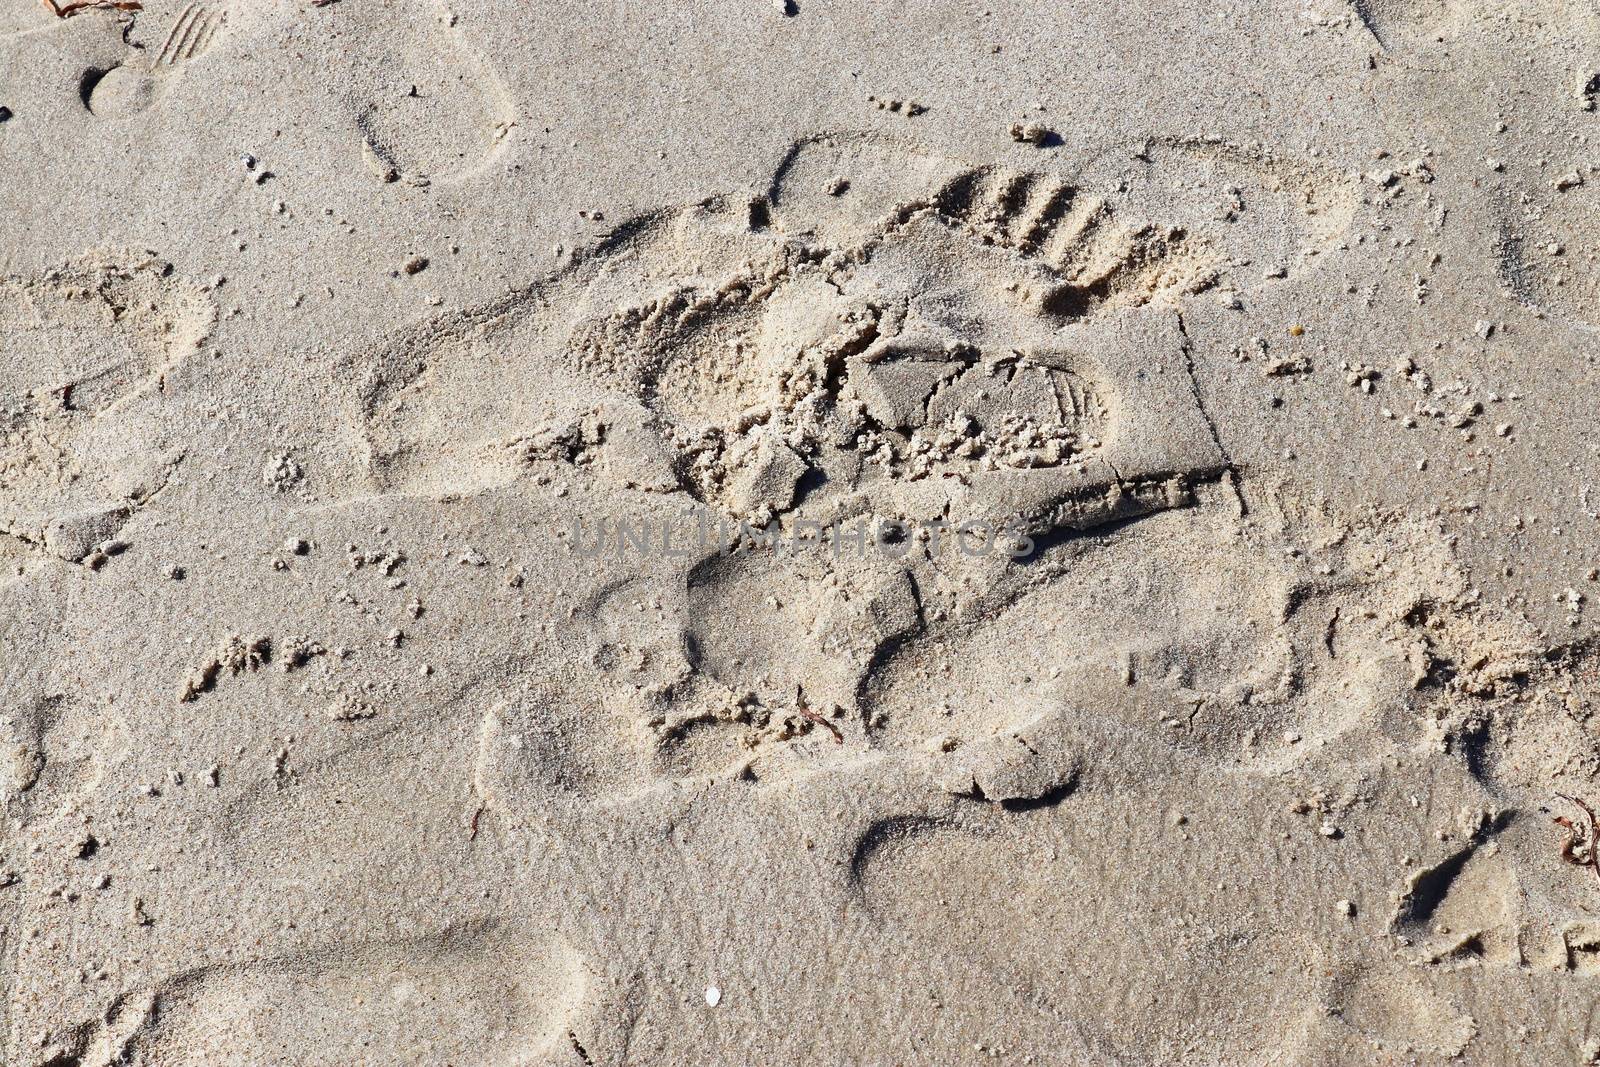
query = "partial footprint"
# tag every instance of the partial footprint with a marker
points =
(891, 304)
(56, 749)
(1549, 252)
(1177, 604)
(1397, 23)
(1021, 900)
(425, 103)
(1397, 1012)
(1448, 27)
(1466, 907)
(808, 621)
(1271, 211)
(78, 344)
(534, 745)
(142, 80)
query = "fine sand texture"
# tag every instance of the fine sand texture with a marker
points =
(819, 532)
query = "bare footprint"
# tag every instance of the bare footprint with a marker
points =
(78, 344)
(1226, 933)
(503, 998)
(1395, 1011)
(1184, 623)
(865, 275)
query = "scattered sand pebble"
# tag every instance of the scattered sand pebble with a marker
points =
(908, 108)
(1033, 133)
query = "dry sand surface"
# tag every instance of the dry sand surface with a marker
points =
(738, 533)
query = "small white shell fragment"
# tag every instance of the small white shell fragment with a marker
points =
(713, 996)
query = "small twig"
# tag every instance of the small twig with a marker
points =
(800, 705)
(78, 7)
(1590, 857)
(472, 824)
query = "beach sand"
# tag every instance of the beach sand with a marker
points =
(822, 533)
